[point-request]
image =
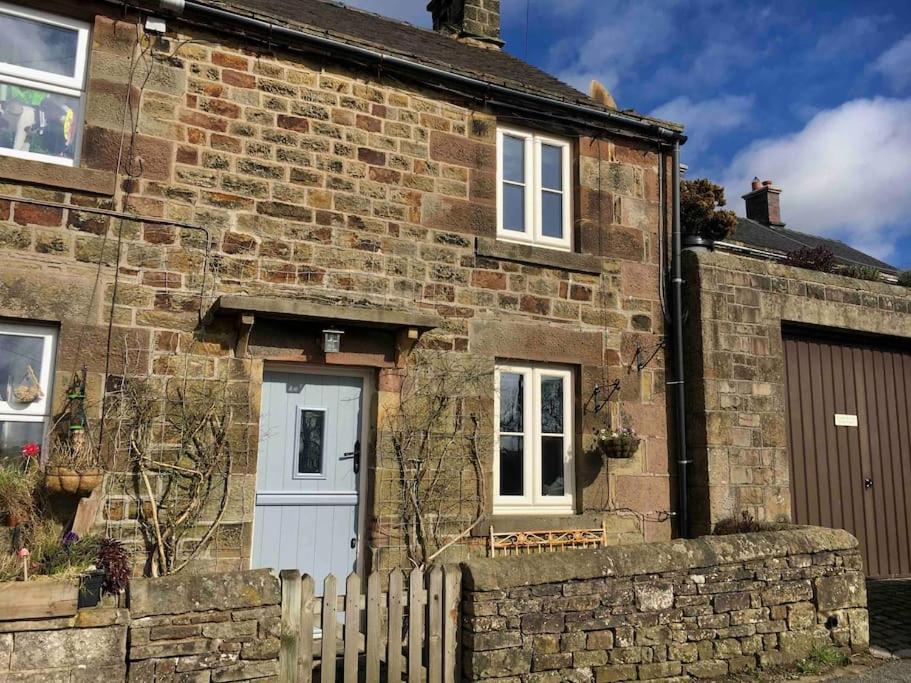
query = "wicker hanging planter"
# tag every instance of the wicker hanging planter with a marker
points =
(29, 390)
(620, 448)
(59, 479)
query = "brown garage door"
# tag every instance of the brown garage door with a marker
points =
(849, 410)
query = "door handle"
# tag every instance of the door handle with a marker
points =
(354, 455)
(868, 483)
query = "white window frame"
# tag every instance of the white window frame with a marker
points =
(37, 411)
(533, 233)
(533, 501)
(71, 86)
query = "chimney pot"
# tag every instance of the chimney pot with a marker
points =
(763, 203)
(474, 21)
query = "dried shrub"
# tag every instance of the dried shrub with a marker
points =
(861, 273)
(114, 559)
(904, 278)
(812, 258)
(744, 524)
(700, 212)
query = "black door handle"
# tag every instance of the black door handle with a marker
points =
(868, 483)
(355, 455)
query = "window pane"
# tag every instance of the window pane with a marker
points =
(511, 464)
(18, 353)
(36, 45)
(513, 207)
(14, 435)
(552, 483)
(310, 451)
(511, 402)
(37, 121)
(552, 167)
(513, 159)
(552, 214)
(552, 405)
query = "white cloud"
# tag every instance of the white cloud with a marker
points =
(847, 174)
(895, 64)
(706, 118)
(413, 11)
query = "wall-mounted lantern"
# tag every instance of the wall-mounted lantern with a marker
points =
(332, 340)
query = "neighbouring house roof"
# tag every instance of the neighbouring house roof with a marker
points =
(782, 240)
(421, 46)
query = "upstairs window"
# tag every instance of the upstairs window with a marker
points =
(533, 189)
(533, 456)
(42, 80)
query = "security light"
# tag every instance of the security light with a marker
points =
(332, 340)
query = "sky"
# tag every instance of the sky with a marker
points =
(813, 95)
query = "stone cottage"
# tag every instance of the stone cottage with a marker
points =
(303, 203)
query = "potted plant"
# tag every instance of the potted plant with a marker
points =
(74, 466)
(17, 486)
(620, 443)
(701, 218)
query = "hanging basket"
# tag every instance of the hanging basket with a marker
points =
(619, 449)
(29, 390)
(65, 480)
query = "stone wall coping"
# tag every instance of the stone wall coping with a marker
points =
(718, 259)
(181, 593)
(538, 256)
(487, 574)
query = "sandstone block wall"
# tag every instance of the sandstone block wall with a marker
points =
(701, 608)
(736, 401)
(208, 627)
(88, 647)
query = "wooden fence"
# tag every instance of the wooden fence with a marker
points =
(408, 633)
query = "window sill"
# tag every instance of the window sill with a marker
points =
(57, 176)
(537, 521)
(538, 256)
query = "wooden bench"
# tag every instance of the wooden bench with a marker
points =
(546, 541)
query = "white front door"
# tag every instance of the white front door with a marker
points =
(307, 477)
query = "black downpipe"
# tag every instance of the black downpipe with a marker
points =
(683, 517)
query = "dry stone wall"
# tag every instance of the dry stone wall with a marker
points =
(702, 608)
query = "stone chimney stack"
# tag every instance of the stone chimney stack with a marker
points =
(763, 203)
(474, 21)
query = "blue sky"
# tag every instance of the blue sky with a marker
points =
(813, 95)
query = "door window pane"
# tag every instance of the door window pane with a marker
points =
(14, 435)
(551, 167)
(552, 405)
(310, 449)
(552, 214)
(552, 483)
(513, 207)
(37, 121)
(511, 466)
(18, 353)
(511, 402)
(33, 44)
(513, 159)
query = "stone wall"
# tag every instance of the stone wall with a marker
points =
(209, 627)
(736, 402)
(703, 608)
(321, 184)
(87, 647)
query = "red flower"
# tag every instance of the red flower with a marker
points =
(31, 450)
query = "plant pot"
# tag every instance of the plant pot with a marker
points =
(65, 480)
(90, 586)
(12, 521)
(619, 449)
(697, 244)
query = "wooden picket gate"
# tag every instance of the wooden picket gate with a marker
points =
(406, 634)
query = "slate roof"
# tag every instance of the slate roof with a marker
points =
(423, 46)
(783, 240)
